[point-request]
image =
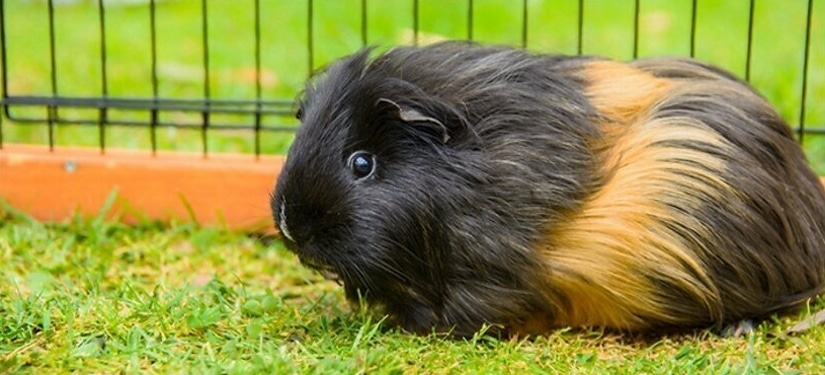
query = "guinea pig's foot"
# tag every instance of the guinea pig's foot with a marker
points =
(738, 329)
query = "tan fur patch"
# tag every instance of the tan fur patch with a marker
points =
(621, 92)
(602, 259)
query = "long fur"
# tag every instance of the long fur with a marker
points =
(539, 191)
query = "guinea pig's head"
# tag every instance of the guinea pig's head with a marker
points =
(388, 188)
(364, 183)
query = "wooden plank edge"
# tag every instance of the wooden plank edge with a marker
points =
(223, 190)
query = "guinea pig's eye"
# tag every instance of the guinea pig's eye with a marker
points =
(362, 164)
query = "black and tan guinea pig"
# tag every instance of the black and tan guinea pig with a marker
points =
(458, 185)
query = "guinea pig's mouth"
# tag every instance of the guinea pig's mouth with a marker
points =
(327, 271)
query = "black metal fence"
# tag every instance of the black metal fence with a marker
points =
(45, 100)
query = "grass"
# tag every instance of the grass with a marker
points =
(93, 296)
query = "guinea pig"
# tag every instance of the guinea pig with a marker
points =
(457, 186)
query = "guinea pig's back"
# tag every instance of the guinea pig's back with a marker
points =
(708, 211)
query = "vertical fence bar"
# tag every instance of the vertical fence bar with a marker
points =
(750, 41)
(469, 19)
(693, 28)
(206, 83)
(363, 22)
(415, 22)
(51, 110)
(805, 57)
(3, 50)
(580, 37)
(524, 24)
(5, 87)
(310, 37)
(257, 79)
(153, 124)
(636, 29)
(104, 90)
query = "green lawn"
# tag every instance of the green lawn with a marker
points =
(91, 296)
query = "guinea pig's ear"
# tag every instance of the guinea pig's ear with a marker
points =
(413, 116)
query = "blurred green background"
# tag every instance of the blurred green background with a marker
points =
(776, 68)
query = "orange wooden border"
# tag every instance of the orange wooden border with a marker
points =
(223, 189)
